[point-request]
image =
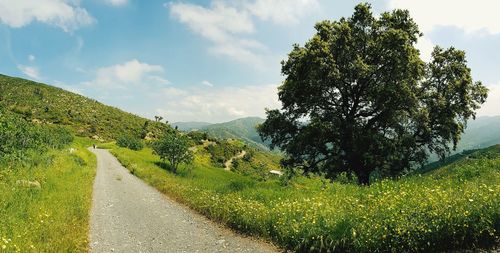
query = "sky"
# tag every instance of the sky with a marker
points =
(209, 60)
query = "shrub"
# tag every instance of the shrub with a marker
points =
(19, 137)
(129, 142)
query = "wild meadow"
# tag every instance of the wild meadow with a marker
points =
(454, 207)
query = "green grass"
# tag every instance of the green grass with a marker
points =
(54, 218)
(457, 206)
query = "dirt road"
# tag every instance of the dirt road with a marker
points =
(129, 216)
(229, 163)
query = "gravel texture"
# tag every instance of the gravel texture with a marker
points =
(129, 216)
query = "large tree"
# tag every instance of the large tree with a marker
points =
(358, 98)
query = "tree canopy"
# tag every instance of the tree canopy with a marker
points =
(358, 98)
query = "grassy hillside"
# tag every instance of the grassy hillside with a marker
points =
(47, 104)
(455, 207)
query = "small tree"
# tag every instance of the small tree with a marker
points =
(158, 118)
(173, 148)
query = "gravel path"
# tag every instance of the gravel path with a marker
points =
(129, 216)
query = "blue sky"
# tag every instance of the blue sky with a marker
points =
(210, 60)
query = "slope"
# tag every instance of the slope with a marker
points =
(42, 103)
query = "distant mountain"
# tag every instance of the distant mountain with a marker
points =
(243, 129)
(189, 126)
(480, 133)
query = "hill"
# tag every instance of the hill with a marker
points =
(242, 129)
(41, 103)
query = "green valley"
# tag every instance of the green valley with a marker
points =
(456, 203)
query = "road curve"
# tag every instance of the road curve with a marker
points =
(129, 216)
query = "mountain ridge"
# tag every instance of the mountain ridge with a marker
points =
(241, 128)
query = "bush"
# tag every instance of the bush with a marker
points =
(197, 137)
(19, 137)
(129, 142)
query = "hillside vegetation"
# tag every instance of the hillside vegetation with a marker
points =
(42, 103)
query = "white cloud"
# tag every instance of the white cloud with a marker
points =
(471, 16)
(227, 24)
(492, 105)
(159, 79)
(207, 83)
(222, 24)
(30, 71)
(216, 104)
(282, 11)
(132, 72)
(425, 46)
(215, 23)
(66, 14)
(31, 58)
(117, 2)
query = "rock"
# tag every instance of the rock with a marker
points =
(36, 121)
(276, 172)
(29, 184)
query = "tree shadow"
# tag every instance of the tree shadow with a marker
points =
(165, 166)
(183, 171)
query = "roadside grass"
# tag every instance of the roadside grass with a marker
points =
(54, 217)
(456, 207)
